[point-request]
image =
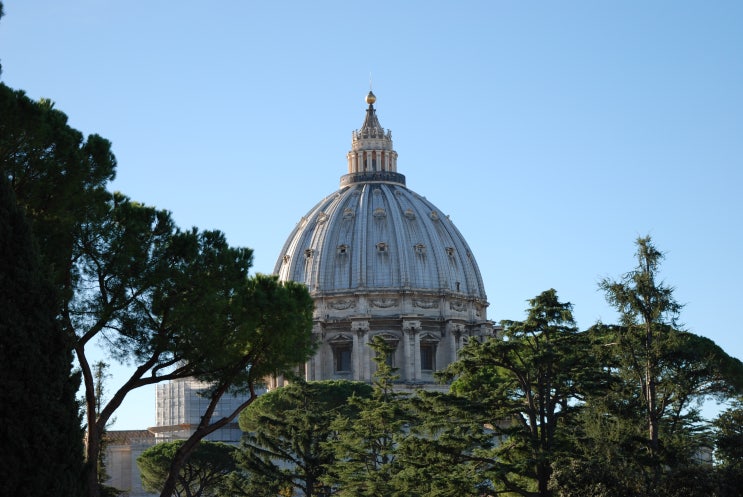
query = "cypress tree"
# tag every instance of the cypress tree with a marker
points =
(40, 430)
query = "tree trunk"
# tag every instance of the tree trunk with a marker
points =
(93, 439)
(205, 428)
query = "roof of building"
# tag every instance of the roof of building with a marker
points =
(128, 437)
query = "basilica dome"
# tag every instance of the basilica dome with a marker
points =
(380, 259)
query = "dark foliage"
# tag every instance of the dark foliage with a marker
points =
(41, 432)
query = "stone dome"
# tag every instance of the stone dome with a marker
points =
(380, 259)
(379, 236)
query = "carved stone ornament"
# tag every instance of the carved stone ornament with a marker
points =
(341, 305)
(391, 340)
(360, 326)
(456, 328)
(383, 303)
(341, 340)
(411, 325)
(456, 305)
(426, 303)
(380, 213)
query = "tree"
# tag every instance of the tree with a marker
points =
(59, 181)
(643, 432)
(268, 331)
(441, 456)
(287, 431)
(41, 434)
(173, 303)
(610, 453)
(669, 372)
(647, 309)
(729, 435)
(59, 178)
(366, 446)
(728, 438)
(202, 475)
(530, 383)
(101, 375)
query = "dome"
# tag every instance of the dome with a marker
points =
(378, 258)
(379, 236)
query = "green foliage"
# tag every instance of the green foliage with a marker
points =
(643, 432)
(58, 176)
(366, 446)
(647, 312)
(287, 431)
(529, 384)
(729, 436)
(203, 475)
(38, 411)
(441, 456)
(664, 373)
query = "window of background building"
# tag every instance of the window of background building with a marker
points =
(390, 358)
(428, 356)
(342, 358)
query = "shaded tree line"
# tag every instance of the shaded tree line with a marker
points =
(542, 410)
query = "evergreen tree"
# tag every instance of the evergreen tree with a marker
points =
(41, 432)
(446, 451)
(288, 430)
(647, 309)
(530, 383)
(366, 447)
(643, 433)
(664, 373)
(729, 435)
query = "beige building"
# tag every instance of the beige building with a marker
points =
(123, 447)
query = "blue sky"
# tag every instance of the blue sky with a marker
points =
(553, 133)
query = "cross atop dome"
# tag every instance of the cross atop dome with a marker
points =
(371, 127)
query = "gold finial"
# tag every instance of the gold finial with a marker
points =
(370, 98)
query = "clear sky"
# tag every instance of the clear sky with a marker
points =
(553, 133)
